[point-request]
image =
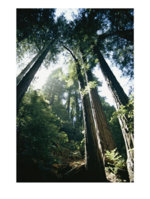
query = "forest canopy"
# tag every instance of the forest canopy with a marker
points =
(66, 130)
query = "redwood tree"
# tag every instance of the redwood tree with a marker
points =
(93, 151)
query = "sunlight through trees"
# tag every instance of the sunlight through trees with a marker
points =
(74, 109)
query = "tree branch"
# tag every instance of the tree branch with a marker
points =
(71, 53)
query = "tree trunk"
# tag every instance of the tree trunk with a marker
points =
(117, 91)
(94, 154)
(25, 82)
(120, 99)
(101, 124)
(77, 110)
(129, 144)
(26, 69)
(94, 159)
(105, 135)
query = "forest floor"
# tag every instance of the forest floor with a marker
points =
(73, 171)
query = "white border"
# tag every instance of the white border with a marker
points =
(11, 189)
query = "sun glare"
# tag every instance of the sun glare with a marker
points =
(68, 12)
(43, 73)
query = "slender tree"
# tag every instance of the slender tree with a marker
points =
(77, 108)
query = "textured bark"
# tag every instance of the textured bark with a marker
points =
(94, 154)
(120, 99)
(129, 144)
(103, 131)
(117, 91)
(105, 135)
(25, 82)
(93, 151)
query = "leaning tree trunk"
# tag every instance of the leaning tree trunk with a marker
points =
(26, 69)
(26, 80)
(117, 91)
(94, 160)
(120, 99)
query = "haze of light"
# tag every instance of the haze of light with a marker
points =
(43, 73)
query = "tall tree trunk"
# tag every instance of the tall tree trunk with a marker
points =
(94, 154)
(26, 69)
(117, 91)
(26, 80)
(101, 124)
(93, 151)
(77, 109)
(120, 99)
(105, 135)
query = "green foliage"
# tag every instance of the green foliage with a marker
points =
(114, 127)
(91, 84)
(40, 132)
(114, 161)
(49, 126)
(126, 112)
(37, 127)
(116, 47)
(65, 102)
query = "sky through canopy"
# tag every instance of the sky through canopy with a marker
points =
(43, 73)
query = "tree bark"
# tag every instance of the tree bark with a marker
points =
(105, 135)
(94, 160)
(117, 91)
(101, 124)
(120, 99)
(77, 109)
(94, 155)
(26, 80)
(26, 69)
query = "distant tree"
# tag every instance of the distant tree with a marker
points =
(58, 93)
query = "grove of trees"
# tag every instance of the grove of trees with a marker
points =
(66, 131)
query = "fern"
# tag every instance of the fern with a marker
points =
(114, 161)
